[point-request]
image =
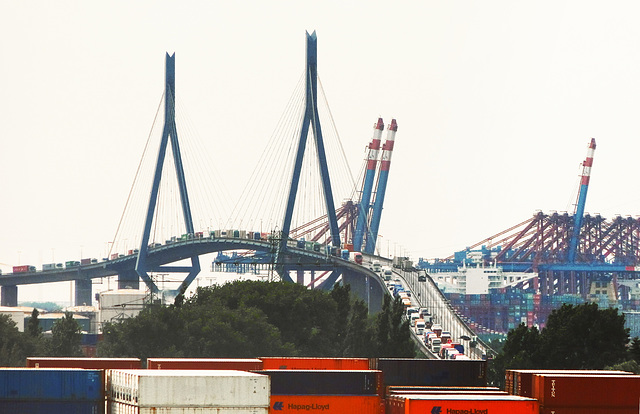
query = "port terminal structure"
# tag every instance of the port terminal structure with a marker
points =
(578, 257)
(281, 249)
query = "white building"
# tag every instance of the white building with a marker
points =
(16, 315)
(116, 305)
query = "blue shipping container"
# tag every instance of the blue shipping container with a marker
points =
(51, 384)
(52, 407)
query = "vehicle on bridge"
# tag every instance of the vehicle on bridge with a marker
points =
(24, 269)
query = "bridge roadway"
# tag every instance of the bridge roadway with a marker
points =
(365, 283)
(428, 295)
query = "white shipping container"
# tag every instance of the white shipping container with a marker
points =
(121, 408)
(188, 388)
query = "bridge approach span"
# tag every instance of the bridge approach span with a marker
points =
(365, 283)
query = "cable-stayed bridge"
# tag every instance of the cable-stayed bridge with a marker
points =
(301, 208)
(287, 214)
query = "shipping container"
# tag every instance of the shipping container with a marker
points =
(48, 266)
(520, 381)
(589, 391)
(52, 407)
(205, 363)
(444, 390)
(24, 269)
(408, 371)
(188, 388)
(121, 408)
(311, 382)
(351, 364)
(86, 261)
(442, 404)
(583, 410)
(51, 384)
(398, 389)
(86, 363)
(326, 404)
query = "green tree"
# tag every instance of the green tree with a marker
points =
(33, 326)
(520, 351)
(13, 347)
(629, 366)
(342, 296)
(393, 333)
(249, 319)
(359, 341)
(575, 337)
(66, 337)
(583, 337)
(634, 349)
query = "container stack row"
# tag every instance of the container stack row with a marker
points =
(51, 390)
(577, 391)
(271, 384)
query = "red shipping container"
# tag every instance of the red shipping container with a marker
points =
(237, 364)
(493, 404)
(589, 391)
(350, 364)
(522, 379)
(399, 389)
(326, 404)
(20, 269)
(86, 363)
(582, 410)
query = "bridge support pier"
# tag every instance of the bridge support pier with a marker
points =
(9, 296)
(300, 277)
(366, 289)
(128, 280)
(83, 292)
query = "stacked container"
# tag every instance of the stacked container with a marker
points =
(326, 391)
(205, 363)
(521, 381)
(432, 372)
(187, 392)
(86, 363)
(69, 391)
(558, 393)
(315, 363)
(468, 404)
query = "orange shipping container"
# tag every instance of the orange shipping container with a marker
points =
(492, 404)
(351, 364)
(205, 363)
(326, 404)
(589, 391)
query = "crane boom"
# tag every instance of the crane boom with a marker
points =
(365, 198)
(385, 163)
(582, 198)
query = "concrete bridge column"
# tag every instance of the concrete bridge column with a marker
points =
(128, 280)
(83, 292)
(366, 289)
(300, 277)
(9, 296)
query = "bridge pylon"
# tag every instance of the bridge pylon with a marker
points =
(169, 134)
(311, 118)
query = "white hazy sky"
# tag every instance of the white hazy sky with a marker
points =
(496, 102)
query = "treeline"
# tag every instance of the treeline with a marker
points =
(575, 337)
(16, 346)
(251, 319)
